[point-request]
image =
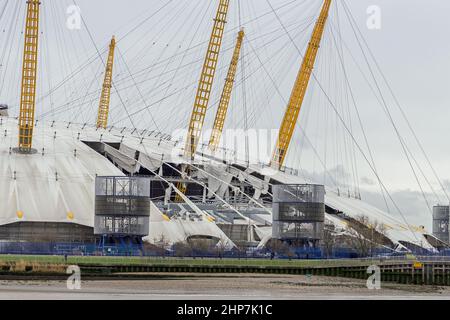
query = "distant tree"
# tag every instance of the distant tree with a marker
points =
(221, 247)
(202, 246)
(278, 247)
(365, 236)
(182, 249)
(161, 245)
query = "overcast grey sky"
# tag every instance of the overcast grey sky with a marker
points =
(411, 48)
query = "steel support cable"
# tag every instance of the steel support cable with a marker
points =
(341, 52)
(185, 51)
(95, 79)
(168, 22)
(402, 111)
(224, 182)
(60, 42)
(120, 80)
(194, 181)
(238, 84)
(15, 81)
(182, 90)
(341, 97)
(143, 21)
(340, 179)
(186, 118)
(91, 93)
(302, 129)
(61, 48)
(385, 106)
(351, 179)
(161, 54)
(284, 100)
(367, 82)
(282, 97)
(203, 42)
(103, 62)
(95, 57)
(47, 64)
(360, 123)
(167, 64)
(86, 85)
(422, 173)
(164, 25)
(244, 93)
(138, 89)
(131, 120)
(181, 193)
(12, 26)
(347, 129)
(360, 149)
(3, 10)
(69, 77)
(251, 199)
(387, 114)
(256, 113)
(408, 151)
(296, 196)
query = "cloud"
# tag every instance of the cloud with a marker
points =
(410, 203)
(367, 181)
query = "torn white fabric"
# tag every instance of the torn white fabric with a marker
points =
(149, 162)
(122, 160)
(180, 230)
(218, 180)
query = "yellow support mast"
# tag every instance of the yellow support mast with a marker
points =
(206, 80)
(226, 95)
(204, 87)
(298, 92)
(103, 108)
(29, 75)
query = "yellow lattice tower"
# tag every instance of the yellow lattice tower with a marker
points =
(204, 87)
(299, 90)
(206, 80)
(103, 108)
(226, 95)
(29, 74)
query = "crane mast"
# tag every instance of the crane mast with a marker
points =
(206, 80)
(29, 75)
(226, 95)
(298, 92)
(103, 108)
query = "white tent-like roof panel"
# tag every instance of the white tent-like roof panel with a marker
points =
(56, 184)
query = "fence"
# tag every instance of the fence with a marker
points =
(125, 249)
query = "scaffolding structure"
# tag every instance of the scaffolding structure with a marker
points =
(298, 213)
(122, 206)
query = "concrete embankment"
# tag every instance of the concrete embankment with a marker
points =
(404, 272)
